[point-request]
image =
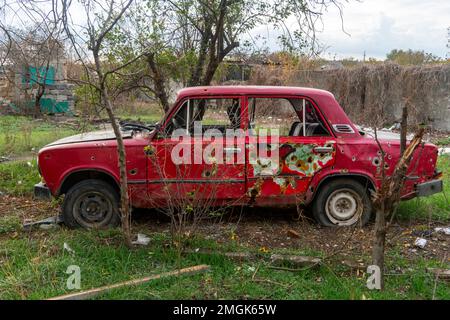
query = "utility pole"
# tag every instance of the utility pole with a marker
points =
(448, 43)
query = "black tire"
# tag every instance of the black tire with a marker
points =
(91, 204)
(334, 205)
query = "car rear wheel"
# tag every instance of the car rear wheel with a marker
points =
(91, 204)
(342, 202)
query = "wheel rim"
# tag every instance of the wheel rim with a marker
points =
(93, 209)
(344, 207)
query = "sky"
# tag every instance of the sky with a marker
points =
(372, 26)
(378, 26)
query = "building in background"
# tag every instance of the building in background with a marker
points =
(31, 76)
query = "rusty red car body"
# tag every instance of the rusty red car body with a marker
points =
(153, 178)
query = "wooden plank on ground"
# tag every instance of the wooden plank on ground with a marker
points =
(93, 292)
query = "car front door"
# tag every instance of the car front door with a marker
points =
(192, 157)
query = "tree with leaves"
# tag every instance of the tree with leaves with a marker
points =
(186, 41)
(411, 57)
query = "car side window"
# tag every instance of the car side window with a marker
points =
(286, 115)
(211, 113)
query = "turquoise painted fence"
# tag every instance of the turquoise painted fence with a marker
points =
(37, 75)
(48, 104)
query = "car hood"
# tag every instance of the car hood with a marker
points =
(382, 134)
(91, 136)
(385, 135)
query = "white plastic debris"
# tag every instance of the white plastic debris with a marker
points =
(420, 242)
(142, 239)
(68, 249)
(444, 151)
(443, 230)
(48, 226)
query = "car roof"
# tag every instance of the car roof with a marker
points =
(249, 90)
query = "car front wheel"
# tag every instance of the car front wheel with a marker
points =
(342, 202)
(91, 204)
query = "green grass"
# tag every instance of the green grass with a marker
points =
(33, 267)
(21, 135)
(18, 177)
(147, 113)
(435, 207)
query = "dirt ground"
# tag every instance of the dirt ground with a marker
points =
(269, 229)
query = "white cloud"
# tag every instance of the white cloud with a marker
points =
(377, 27)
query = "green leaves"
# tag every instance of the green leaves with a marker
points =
(189, 39)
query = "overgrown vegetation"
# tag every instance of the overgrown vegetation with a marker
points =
(434, 208)
(33, 267)
(134, 53)
(21, 135)
(367, 90)
(18, 177)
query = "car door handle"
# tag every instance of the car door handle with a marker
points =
(232, 150)
(323, 149)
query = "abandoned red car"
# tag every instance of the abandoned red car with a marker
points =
(214, 146)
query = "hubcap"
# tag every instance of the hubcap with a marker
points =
(92, 209)
(344, 207)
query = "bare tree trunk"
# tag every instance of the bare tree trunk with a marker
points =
(196, 74)
(37, 101)
(386, 199)
(158, 79)
(379, 242)
(124, 199)
(125, 210)
(41, 89)
(403, 128)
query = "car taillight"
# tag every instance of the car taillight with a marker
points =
(437, 174)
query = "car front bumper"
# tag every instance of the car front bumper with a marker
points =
(428, 188)
(41, 191)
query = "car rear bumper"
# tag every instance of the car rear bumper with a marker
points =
(41, 191)
(429, 188)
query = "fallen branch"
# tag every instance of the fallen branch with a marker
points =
(236, 256)
(287, 269)
(301, 261)
(443, 274)
(286, 286)
(93, 292)
(357, 266)
(294, 234)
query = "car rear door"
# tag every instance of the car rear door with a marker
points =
(280, 167)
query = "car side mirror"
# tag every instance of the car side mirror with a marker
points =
(158, 134)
